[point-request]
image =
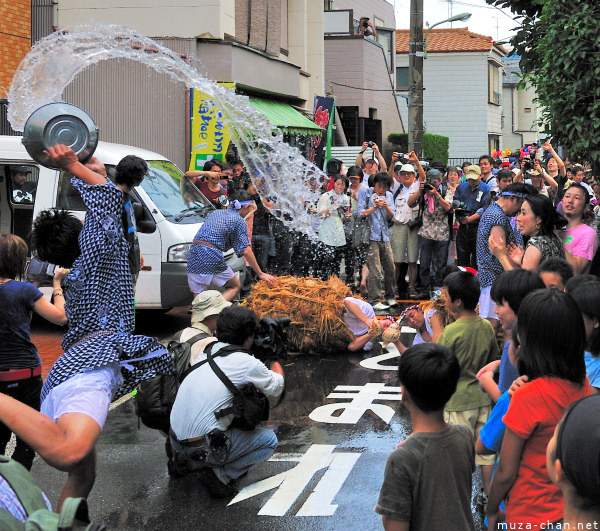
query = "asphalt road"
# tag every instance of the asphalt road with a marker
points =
(339, 421)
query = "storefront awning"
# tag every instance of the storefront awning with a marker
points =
(285, 117)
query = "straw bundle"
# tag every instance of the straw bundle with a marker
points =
(314, 307)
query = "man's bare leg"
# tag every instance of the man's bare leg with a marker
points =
(81, 479)
(231, 288)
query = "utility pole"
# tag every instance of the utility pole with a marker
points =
(415, 79)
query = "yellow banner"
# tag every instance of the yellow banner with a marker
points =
(210, 135)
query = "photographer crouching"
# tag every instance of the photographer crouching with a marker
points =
(207, 435)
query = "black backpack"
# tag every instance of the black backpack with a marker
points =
(73, 514)
(154, 398)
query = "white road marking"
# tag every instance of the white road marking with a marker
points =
(362, 401)
(291, 483)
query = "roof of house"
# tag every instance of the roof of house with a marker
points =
(448, 40)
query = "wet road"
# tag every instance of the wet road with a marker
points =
(325, 474)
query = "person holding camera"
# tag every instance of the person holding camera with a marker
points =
(404, 233)
(209, 444)
(365, 28)
(334, 209)
(377, 203)
(208, 181)
(370, 165)
(471, 196)
(20, 364)
(434, 234)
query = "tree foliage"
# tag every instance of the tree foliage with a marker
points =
(559, 45)
(435, 147)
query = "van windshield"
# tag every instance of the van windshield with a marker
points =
(178, 200)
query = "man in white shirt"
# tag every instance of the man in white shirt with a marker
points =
(404, 233)
(202, 442)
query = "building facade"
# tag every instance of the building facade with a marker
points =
(270, 49)
(15, 42)
(462, 80)
(359, 72)
(521, 112)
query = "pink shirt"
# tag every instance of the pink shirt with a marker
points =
(581, 241)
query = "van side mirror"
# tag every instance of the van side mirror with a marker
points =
(143, 220)
(138, 211)
(146, 226)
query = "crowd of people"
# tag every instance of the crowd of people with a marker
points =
(508, 346)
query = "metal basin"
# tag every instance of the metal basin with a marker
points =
(60, 123)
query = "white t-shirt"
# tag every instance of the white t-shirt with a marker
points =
(402, 212)
(418, 337)
(202, 392)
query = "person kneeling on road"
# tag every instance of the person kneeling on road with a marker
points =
(200, 442)
(222, 230)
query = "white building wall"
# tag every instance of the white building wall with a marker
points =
(455, 100)
(381, 9)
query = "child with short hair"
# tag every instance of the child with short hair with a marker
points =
(427, 481)
(587, 297)
(473, 341)
(573, 463)
(508, 290)
(555, 272)
(552, 336)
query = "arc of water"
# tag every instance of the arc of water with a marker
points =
(278, 169)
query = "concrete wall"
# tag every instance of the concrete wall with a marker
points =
(360, 62)
(230, 62)
(134, 105)
(183, 19)
(15, 39)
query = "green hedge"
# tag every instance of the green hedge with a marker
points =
(435, 147)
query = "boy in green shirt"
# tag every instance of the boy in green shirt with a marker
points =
(473, 341)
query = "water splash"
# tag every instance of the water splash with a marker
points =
(278, 169)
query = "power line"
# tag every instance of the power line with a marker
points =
(362, 88)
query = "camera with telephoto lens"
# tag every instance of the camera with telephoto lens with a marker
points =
(334, 166)
(370, 143)
(459, 208)
(530, 161)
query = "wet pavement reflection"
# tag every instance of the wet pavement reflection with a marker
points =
(324, 475)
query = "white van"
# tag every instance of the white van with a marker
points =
(169, 210)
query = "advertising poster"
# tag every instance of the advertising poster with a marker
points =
(323, 117)
(209, 136)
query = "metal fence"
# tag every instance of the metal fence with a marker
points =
(5, 128)
(457, 161)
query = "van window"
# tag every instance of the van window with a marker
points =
(68, 197)
(178, 200)
(19, 187)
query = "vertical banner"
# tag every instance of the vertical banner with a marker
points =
(209, 136)
(323, 117)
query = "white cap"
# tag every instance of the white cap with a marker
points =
(405, 168)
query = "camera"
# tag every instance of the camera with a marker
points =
(401, 155)
(334, 166)
(365, 23)
(459, 208)
(370, 143)
(427, 187)
(40, 271)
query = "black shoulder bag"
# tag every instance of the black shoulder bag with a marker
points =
(250, 406)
